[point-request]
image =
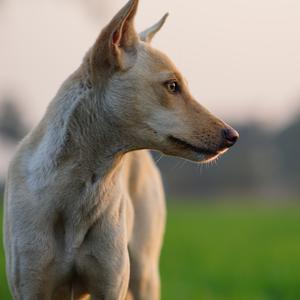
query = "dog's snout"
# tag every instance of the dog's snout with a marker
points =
(230, 137)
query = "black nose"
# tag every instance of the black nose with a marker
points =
(231, 136)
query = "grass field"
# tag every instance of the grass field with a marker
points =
(227, 253)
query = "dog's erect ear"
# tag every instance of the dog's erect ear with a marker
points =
(148, 34)
(115, 46)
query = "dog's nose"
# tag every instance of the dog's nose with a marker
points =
(230, 137)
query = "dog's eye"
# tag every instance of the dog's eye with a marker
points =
(173, 86)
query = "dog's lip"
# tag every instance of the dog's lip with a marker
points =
(194, 148)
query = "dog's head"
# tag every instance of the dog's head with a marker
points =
(148, 98)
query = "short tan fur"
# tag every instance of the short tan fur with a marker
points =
(84, 203)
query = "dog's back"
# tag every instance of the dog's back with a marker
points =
(147, 211)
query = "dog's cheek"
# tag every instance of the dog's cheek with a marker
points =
(164, 122)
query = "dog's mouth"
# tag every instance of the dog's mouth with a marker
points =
(204, 151)
(204, 155)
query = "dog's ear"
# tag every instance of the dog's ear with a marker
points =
(116, 46)
(148, 34)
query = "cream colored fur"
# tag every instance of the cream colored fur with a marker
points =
(84, 203)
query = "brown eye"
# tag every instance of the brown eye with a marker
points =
(173, 87)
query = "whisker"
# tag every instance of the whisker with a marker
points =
(159, 158)
(199, 168)
(176, 165)
(183, 162)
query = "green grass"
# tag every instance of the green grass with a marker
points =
(4, 292)
(226, 253)
(231, 253)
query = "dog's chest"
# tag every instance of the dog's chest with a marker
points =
(95, 211)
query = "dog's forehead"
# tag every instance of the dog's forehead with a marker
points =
(155, 60)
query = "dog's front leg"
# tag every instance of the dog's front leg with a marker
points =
(30, 274)
(30, 252)
(103, 262)
(112, 289)
(106, 280)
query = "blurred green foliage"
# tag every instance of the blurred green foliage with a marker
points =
(226, 253)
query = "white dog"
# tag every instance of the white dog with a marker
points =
(84, 211)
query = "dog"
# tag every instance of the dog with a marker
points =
(84, 202)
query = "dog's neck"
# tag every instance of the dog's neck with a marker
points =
(79, 135)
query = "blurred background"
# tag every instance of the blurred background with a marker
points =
(233, 230)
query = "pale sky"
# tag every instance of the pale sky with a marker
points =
(241, 57)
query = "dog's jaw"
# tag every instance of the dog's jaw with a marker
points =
(184, 144)
(195, 153)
